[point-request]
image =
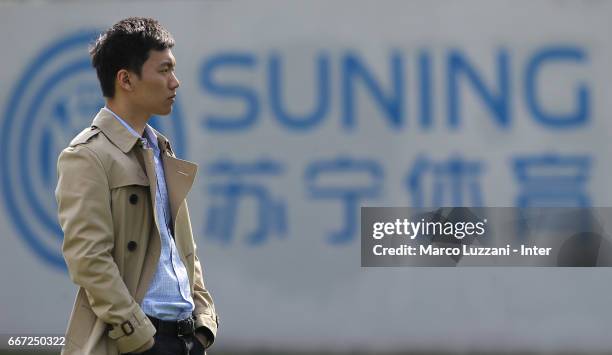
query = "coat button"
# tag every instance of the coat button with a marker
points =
(132, 245)
(133, 199)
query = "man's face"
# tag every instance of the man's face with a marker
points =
(155, 90)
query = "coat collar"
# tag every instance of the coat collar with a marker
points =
(114, 131)
(120, 136)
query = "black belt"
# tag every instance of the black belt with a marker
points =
(179, 327)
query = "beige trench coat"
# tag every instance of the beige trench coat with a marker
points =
(105, 196)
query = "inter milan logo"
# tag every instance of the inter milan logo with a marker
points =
(56, 97)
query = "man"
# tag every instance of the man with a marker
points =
(121, 200)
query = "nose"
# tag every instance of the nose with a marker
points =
(174, 82)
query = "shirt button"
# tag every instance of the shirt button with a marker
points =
(132, 245)
(133, 199)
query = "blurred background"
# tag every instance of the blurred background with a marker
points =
(300, 112)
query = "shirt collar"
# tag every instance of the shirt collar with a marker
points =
(151, 137)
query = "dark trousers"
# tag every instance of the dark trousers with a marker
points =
(166, 344)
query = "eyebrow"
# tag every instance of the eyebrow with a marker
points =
(168, 63)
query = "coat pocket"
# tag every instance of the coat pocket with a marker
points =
(81, 322)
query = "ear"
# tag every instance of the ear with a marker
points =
(124, 80)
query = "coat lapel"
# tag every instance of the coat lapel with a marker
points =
(180, 175)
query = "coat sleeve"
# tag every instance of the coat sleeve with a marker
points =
(206, 318)
(204, 313)
(84, 208)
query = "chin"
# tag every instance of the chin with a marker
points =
(164, 111)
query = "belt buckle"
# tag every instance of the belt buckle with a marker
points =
(186, 326)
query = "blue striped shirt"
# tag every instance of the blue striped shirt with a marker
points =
(169, 294)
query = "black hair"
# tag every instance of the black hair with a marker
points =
(126, 45)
